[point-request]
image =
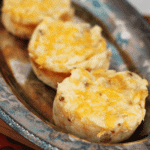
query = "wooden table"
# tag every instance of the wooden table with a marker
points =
(9, 132)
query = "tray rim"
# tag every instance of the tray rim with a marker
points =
(25, 133)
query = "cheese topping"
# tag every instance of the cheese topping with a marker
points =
(105, 97)
(35, 9)
(66, 45)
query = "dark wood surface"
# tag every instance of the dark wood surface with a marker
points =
(11, 133)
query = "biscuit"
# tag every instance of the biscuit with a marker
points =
(58, 47)
(20, 17)
(100, 106)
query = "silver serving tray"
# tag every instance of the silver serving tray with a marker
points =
(26, 103)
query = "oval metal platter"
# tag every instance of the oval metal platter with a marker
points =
(26, 103)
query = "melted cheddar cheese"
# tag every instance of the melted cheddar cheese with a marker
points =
(63, 46)
(105, 98)
(25, 11)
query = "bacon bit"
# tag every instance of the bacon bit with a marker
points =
(113, 132)
(130, 102)
(100, 94)
(109, 82)
(41, 32)
(61, 98)
(69, 120)
(130, 74)
(119, 124)
(86, 84)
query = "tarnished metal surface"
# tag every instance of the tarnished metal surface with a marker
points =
(29, 109)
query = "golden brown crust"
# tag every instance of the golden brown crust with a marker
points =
(47, 76)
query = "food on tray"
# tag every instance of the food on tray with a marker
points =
(57, 47)
(100, 106)
(20, 17)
